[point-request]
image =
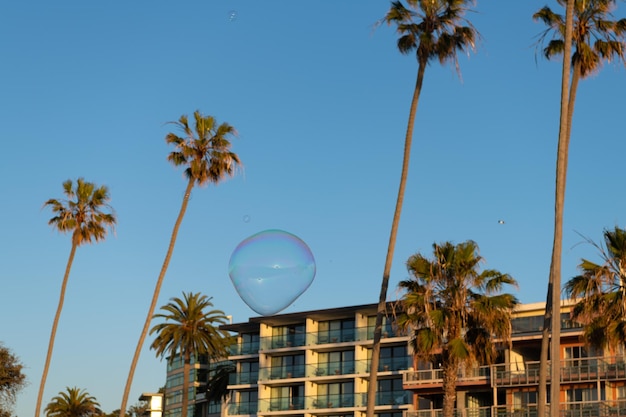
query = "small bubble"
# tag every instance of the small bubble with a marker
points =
(246, 219)
(232, 15)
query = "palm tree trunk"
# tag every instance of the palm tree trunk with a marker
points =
(186, 367)
(449, 389)
(543, 360)
(561, 176)
(382, 301)
(155, 296)
(55, 323)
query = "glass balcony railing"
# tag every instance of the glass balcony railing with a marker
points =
(333, 401)
(336, 368)
(281, 404)
(282, 372)
(249, 348)
(241, 378)
(242, 409)
(278, 342)
(392, 364)
(386, 398)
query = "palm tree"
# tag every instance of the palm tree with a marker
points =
(84, 215)
(601, 292)
(217, 387)
(205, 153)
(433, 29)
(190, 332)
(73, 403)
(453, 312)
(587, 26)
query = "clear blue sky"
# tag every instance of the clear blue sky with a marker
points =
(320, 99)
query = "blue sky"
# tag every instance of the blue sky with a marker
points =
(320, 98)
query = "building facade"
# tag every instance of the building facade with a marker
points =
(316, 363)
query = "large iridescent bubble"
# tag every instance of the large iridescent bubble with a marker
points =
(270, 269)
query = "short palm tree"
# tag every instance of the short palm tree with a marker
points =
(217, 386)
(454, 312)
(87, 215)
(204, 151)
(432, 29)
(600, 290)
(73, 403)
(588, 29)
(190, 332)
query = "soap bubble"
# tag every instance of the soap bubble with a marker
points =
(270, 270)
(232, 15)
(246, 219)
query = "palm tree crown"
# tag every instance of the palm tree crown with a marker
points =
(600, 290)
(595, 36)
(453, 312)
(432, 28)
(204, 150)
(82, 213)
(189, 331)
(73, 403)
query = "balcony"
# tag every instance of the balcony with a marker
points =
(282, 372)
(285, 341)
(332, 401)
(464, 412)
(281, 404)
(250, 348)
(243, 378)
(242, 409)
(388, 398)
(572, 370)
(430, 377)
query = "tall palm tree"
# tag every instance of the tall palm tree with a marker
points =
(454, 312)
(87, 215)
(204, 151)
(73, 403)
(433, 29)
(189, 332)
(601, 292)
(588, 28)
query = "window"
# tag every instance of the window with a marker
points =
(248, 372)
(522, 399)
(334, 331)
(291, 335)
(392, 358)
(287, 366)
(338, 363)
(387, 328)
(287, 398)
(390, 392)
(340, 394)
(249, 343)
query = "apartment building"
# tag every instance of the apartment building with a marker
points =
(316, 363)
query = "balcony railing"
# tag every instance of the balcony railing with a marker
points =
(282, 372)
(242, 409)
(526, 373)
(362, 334)
(248, 348)
(281, 404)
(435, 376)
(392, 364)
(572, 409)
(241, 378)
